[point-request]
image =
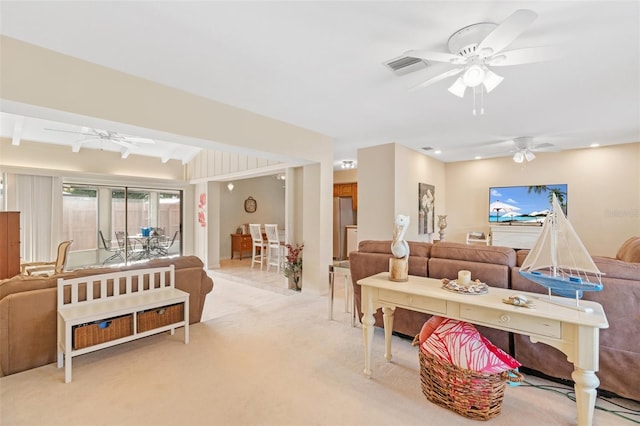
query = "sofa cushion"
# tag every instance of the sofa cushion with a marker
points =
(629, 251)
(416, 248)
(614, 268)
(474, 253)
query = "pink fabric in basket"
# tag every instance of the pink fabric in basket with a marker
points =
(461, 344)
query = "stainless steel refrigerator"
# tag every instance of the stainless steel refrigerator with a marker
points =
(343, 215)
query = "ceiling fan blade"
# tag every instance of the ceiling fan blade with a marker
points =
(122, 143)
(435, 56)
(70, 131)
(525, 56)
(134, 139)
(506, 32)
(437, 78)
(545, 146)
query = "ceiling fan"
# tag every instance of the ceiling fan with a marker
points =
(478, 47)
(525, 148)
(90, 134)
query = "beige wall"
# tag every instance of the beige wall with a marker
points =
(603, 192)
(269, 194)
(345, 176)
(388, 177)
(48, 157)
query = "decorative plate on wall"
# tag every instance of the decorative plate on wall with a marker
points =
(250, 205)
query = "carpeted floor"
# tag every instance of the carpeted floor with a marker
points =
(261, 357)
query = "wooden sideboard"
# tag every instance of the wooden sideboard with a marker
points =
(9, 244)
(240, 243)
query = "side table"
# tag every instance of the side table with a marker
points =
(342, 268)
(240, 243)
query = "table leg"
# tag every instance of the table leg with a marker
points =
(585, 386)
(367, 328)
(387, 317)
(331, 283)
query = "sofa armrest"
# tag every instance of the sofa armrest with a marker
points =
(28, 330)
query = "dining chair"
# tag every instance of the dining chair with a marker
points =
(274, 248)
(258, 245)
(162, 245)
(48, 268)
(110, 248)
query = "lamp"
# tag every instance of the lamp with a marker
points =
(492, 80)
(518, 157)
(458, 88)
(230, 186)
(474, 75)
(523, 154)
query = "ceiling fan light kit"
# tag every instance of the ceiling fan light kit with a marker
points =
(524, 149)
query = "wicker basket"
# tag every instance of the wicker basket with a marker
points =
(469, 393)
(159, 317)
(102, 331)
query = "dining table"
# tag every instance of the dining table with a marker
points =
(142, 246)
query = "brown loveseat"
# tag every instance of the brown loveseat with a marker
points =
(28, 309)
(498, 267)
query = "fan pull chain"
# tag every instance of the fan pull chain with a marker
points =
(481, 101)
(474, 101)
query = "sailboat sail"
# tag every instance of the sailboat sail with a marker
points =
(560, 253)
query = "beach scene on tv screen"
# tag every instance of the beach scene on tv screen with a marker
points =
(524, 204)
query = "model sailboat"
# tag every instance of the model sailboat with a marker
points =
(559, 261)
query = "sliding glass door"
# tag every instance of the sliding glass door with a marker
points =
(121, 224)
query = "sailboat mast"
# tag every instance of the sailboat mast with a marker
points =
(554, 237)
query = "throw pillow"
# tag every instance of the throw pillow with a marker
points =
(461, 344)
(429, 327)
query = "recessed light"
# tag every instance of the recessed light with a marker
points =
(437, 151)
(594, 145)
(477, 157)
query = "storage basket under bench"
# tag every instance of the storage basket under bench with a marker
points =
(98, 311)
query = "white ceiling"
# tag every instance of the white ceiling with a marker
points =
(319, 65)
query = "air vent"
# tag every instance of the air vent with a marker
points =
(405, 64)
(427, 148)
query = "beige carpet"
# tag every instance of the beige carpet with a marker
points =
(262, 358)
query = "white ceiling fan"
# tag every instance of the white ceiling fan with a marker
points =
(125, 141)
(478, 47)
(525, 148)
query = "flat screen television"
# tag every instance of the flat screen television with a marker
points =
(524, 205)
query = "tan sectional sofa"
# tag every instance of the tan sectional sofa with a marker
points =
(619, 344)
(28, 309)
(498, 266)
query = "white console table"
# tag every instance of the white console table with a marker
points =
(515, 236)
(574, 333)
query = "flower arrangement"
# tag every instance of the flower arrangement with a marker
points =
(293, 264)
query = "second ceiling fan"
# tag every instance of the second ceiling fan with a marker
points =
(127, 142)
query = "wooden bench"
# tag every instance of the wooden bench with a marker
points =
(108, 309)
